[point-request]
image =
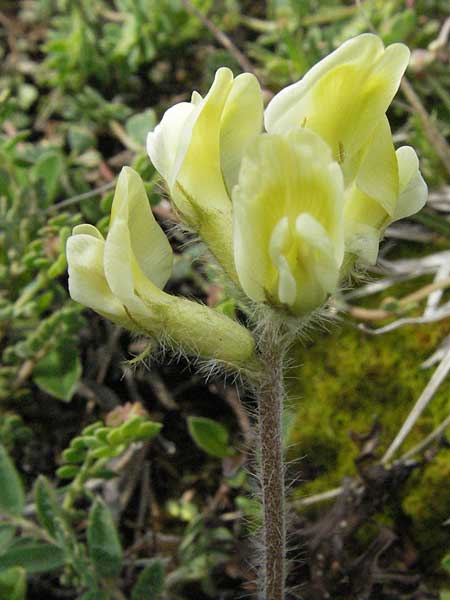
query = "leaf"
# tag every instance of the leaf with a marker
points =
(47, 507)
(7, 533)
(58, 372)
(150, 583)
(94, 595)
(139, 125)
(104, 545)
(12, 495)
(444, 595)
(13, 584)
(33, 556)
(446, 563)
(210, 436)
(80, 138)
(49, 168)
(68, 471)
(148, 430)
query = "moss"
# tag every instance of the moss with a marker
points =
(348, 379)
(427, 502)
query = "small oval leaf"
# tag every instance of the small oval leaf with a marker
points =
(47, 507)
(12, 495)
(104, 545)
(34, 557)
(210, 436)
(150, 583)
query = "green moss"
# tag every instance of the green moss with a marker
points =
(348, 379)
(427, 502)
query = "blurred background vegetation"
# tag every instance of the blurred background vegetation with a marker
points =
(119, 480)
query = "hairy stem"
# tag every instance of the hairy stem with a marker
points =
(270, 409)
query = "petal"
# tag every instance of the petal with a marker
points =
(169, 138)
(318, 269)
(149, 243)
(286, 110)
(287, 286)
(125, 278)
(250, 235)
(378, 175)
(199, 182)
(365, 220)
(344, 96)
(278, 244)
(88, 230)
(87, 282)
(362, 241)
(241, 122)
(413, 189)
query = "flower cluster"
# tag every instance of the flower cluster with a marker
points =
(297, 205)
(287, 211)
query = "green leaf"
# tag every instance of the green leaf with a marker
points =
(94, 595)
(7, 533)
(58, 372)
(130, 428)
(12, 495)
(80, 138)
(33, 556)
(433, 221)
(49, 168)
(210, 436)
(67, 471)
(150, 583)
(444, 595)
(47, 507)
(13, 584)
(139, 125)
(148, 430)
(104, 545)
(446, 562)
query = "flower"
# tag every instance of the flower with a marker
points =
(197, 149)
(113, 276)
(288, 212)
(388, 187)
(344, 99)
(122, 278)
(288, 221)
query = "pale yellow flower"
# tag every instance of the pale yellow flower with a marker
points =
(122, 278)
(388, 187)
(288, 221)
(197, 148)
(112, 276)
(344, 99)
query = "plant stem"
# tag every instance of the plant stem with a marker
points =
(270, 410)
(76, 488)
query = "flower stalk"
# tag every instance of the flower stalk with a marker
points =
(271, 463)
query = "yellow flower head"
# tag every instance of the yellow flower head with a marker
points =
(288, 227)
(122, 278)
(198, 145)
(344, 99)
(113, 276)
(344, 96)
